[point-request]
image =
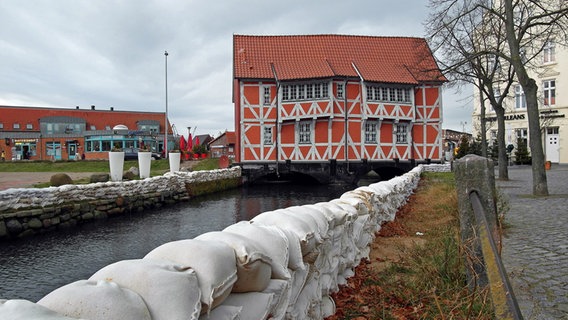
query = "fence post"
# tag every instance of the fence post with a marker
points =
(476, 174)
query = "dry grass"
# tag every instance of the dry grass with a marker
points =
(416, 268)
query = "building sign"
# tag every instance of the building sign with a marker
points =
(549, 114)
(19, 141)
(510, 117)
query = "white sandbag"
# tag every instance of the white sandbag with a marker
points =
(295, 260)
(297, 282)
(253, 264)
(327, 307)
(17, 309)
(284, 220)
(281, 291)
(313, 216)
(273, 242)
(96, 300)
(256, 305)
(223, 313)
(356, 200)
(214, 263)
(170, 291)
(334, 211)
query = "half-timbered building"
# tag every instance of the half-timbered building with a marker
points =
(335, 103)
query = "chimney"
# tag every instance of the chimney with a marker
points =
(77, 107)
(93, 107)
(111, 108)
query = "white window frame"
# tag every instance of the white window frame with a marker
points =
(549, 92)
(305, 132)
(16, 125)
(305, 91)
(29, 126)
(266, 96)
(520, 99)
(340, 91)
(401, 133)
(549, 52)
(371, 132)
(267, 136)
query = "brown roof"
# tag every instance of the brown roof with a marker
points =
(378, 59)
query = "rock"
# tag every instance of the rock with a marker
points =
(14, 226)
(3, 231)
(35, 223)
(99, 177)
(60, 179)
(129, 175)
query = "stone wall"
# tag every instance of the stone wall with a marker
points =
(282, 264)
(28, 211)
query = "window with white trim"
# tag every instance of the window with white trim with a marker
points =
(310, 91)
(340, 90)
(388, 94)
(549, 52)
(266, 96)
(401, 132)
(520, 100)
(549, 92)
(371, 131)
(305, 132)
(522, 134)
(1, 125)
(285, 93)
(267, 135)
(29, 126)
(16, 126)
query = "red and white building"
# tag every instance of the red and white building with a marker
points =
(347, 99)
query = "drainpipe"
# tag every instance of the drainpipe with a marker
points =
(277, 138)
(362, 92)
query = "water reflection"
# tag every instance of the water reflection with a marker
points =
(31, 268)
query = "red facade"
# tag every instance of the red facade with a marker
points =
(348, 98)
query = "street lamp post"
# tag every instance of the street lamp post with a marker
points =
(166, 117)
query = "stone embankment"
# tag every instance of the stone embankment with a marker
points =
(282, 264)
(29, 211)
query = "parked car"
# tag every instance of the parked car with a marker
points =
(132, 154)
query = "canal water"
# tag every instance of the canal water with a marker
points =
(31, 268)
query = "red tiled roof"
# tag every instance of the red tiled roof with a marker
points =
(378, 59)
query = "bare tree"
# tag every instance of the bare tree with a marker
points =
(527, 25)
(468, 48)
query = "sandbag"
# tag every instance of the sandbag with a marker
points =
(281, 291)
(223, 313)
(17, 309)
(96, 300)
(256, 305)
(281, 218)
(170, 291)
(273, 242)
(253, 265)
(214, 263)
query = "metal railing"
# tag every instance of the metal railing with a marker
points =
(504, 301)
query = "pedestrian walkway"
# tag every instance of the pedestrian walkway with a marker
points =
(535, 246)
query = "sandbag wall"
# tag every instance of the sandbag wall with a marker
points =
(282, 264)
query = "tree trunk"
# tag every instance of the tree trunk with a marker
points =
(503, 157)
(540, 186)
(482, 122)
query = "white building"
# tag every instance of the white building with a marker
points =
(551, 75)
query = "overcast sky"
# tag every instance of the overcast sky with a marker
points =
(68, 53)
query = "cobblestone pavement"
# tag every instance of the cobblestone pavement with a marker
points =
(535, 246)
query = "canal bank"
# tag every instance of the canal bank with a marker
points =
(29, 211)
